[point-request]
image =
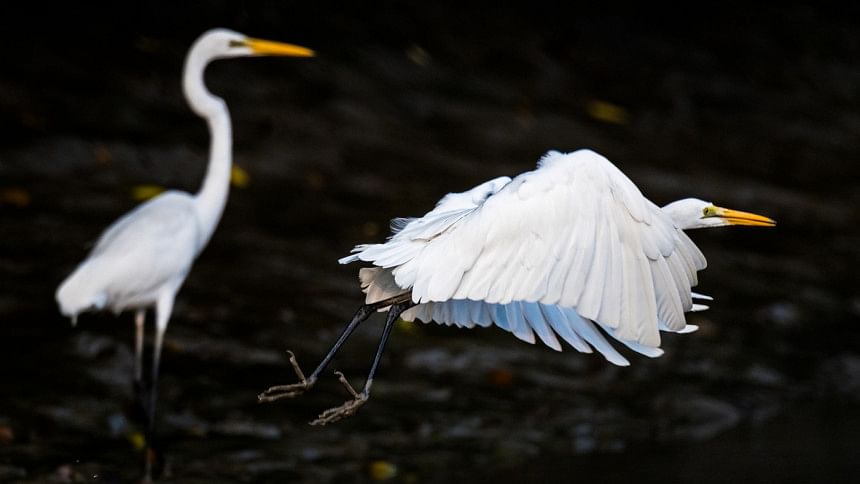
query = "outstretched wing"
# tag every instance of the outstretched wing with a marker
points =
(522, 319)
(410, 235)
(575, 233)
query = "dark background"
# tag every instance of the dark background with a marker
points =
(754, 108)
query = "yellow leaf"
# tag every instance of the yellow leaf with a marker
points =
(239, 177)
(500, 377)
(145, 192)
(137, 440)
(381, 470)
(406, 326)
(102, 154)
(607, 112)
(7, 435)
(418, 55)
(14, 196)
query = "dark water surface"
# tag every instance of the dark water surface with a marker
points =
(759, 112)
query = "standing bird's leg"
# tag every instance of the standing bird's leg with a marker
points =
(351, 406)
(288, 391)
(163, 309)
(139, 321)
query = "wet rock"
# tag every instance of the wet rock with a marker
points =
(90, 345)
(583, 439)
(765, 376)
(233, 351)
(87, 414)
(463, 428)
(247, 428)
(782, 315)
(187, 422)
(11, 473)
(840, 375)
(695, 417)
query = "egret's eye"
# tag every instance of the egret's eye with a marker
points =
(709, 211)
(236, 43)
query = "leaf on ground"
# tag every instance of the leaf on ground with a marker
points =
(137, 440)
(239, 177)
(382, 470)
(607, 112)
(145, 192)
(14, 196)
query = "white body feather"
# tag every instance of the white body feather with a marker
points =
(142, 259)
(141, 255)
(560, 250)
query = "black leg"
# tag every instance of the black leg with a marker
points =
(288, 391)
(151, 454)
(351, 406)
(393, 314)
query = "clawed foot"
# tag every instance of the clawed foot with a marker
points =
(288, 391)
(348, 408)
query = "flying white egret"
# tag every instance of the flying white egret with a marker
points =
(142, 259)
(563, 250)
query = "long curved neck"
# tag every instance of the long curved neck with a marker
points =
(212, 197)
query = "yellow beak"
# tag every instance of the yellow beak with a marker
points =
(268, 47)
(736, 217)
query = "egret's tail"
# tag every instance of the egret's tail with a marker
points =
(78, 293)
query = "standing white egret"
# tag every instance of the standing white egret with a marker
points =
(142, 259)
(563, 250)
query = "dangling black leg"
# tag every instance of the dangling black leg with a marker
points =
(359, 398)
(295, 389)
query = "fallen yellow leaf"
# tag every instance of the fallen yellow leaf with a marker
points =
(607, 112)
(418, 55)
(239, 177)
(137, 440)
(145, 192)
(500, 377)
(406, 326)
(381, 470)
(7, 435)
(102, 154)
(14, 196)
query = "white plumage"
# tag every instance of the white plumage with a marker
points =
(145, 253)
(558, 251)
(142, 259)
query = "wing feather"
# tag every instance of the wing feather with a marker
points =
(575, 234)
(535, 318)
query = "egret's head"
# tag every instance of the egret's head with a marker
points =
(223, 43)
(692, 213)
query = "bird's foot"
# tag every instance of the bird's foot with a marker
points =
(288, 391)
(348, 408)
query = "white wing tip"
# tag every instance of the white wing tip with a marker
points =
(551, 342)
(348, 259)
(527, 337)
(655, 353)
(697, 295)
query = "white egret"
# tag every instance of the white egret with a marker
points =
(142, 259)
(563, 250)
